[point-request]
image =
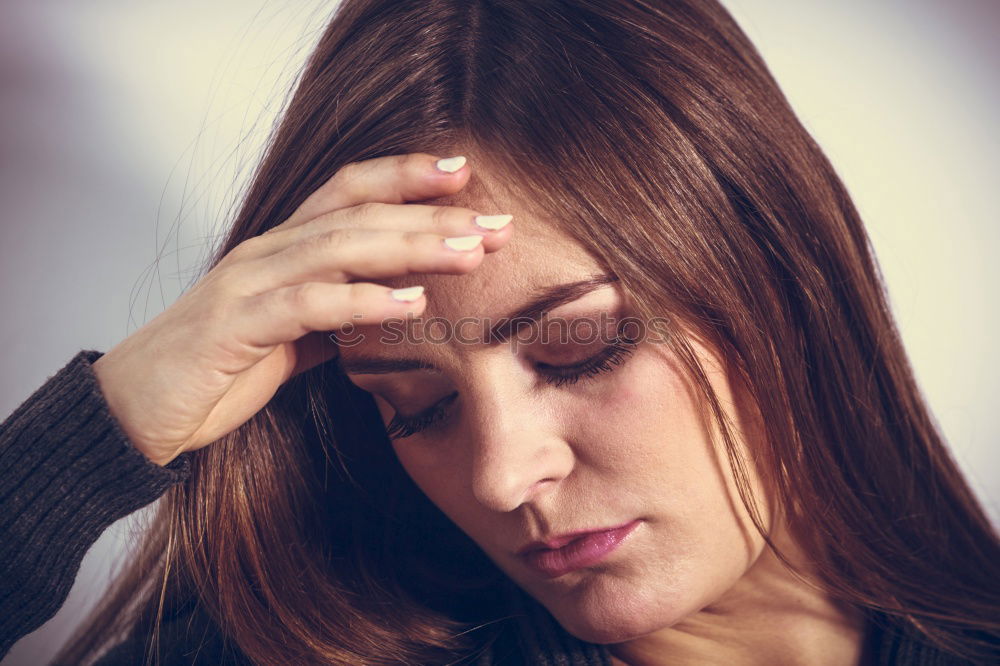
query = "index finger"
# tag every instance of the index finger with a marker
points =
(391, 179)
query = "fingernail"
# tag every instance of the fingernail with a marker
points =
(451, 164)
(493, 222)
(464, 243)
(407, 294)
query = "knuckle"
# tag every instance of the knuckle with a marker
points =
(301, 296)
(328, 220)
(247, 248)
(348, 173)
(414, 240)
(328, 241)
(215, 310)
(339, 239)
(355, 293)
(367, 212)
(223, 312)
(236, 254)
(410, 165)
(221, 284)
(441, 216)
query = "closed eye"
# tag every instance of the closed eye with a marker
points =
(606, 360)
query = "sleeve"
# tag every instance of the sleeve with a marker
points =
(67, 471)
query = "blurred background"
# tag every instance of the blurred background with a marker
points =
(128, 129)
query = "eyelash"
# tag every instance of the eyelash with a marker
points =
(605, 360)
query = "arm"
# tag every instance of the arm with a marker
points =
(67, 471)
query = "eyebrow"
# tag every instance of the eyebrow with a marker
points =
(532, 311)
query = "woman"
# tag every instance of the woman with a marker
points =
(737, 468)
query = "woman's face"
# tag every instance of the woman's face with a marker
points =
(517, 451)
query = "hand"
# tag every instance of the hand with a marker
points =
(217, 355)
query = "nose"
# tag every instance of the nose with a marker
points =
(518, 453)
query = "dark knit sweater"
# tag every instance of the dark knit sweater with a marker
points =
(67, 471)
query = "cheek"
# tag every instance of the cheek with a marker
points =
(639, 423)
(643, 434)
(420, 466)
(645, 437)
(444, 484)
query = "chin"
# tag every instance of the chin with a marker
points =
(615, 617)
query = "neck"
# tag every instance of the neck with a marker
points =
(768, 617)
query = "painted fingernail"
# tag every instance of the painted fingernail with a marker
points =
(464, 243)
(493, 222)
(451, 164)
(407, 294)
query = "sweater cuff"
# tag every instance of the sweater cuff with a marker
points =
(67, 471)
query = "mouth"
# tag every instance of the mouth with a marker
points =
(569, 552)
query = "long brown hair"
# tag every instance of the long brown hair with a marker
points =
(654, 134)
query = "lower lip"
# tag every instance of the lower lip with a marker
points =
(583, 552)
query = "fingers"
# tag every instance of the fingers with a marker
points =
(291, 312)
(444, 220)
(365, 254)
(394, 179)
(311, 273)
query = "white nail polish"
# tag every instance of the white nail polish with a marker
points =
(451, 164)
(464, 243)
(407, 294)
(493, 222)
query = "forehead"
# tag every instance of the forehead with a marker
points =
(538, 255)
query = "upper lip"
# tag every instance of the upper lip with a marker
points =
(551, 543)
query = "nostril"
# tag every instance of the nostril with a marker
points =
(506, 490)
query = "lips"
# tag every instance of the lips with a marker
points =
(569, 552)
